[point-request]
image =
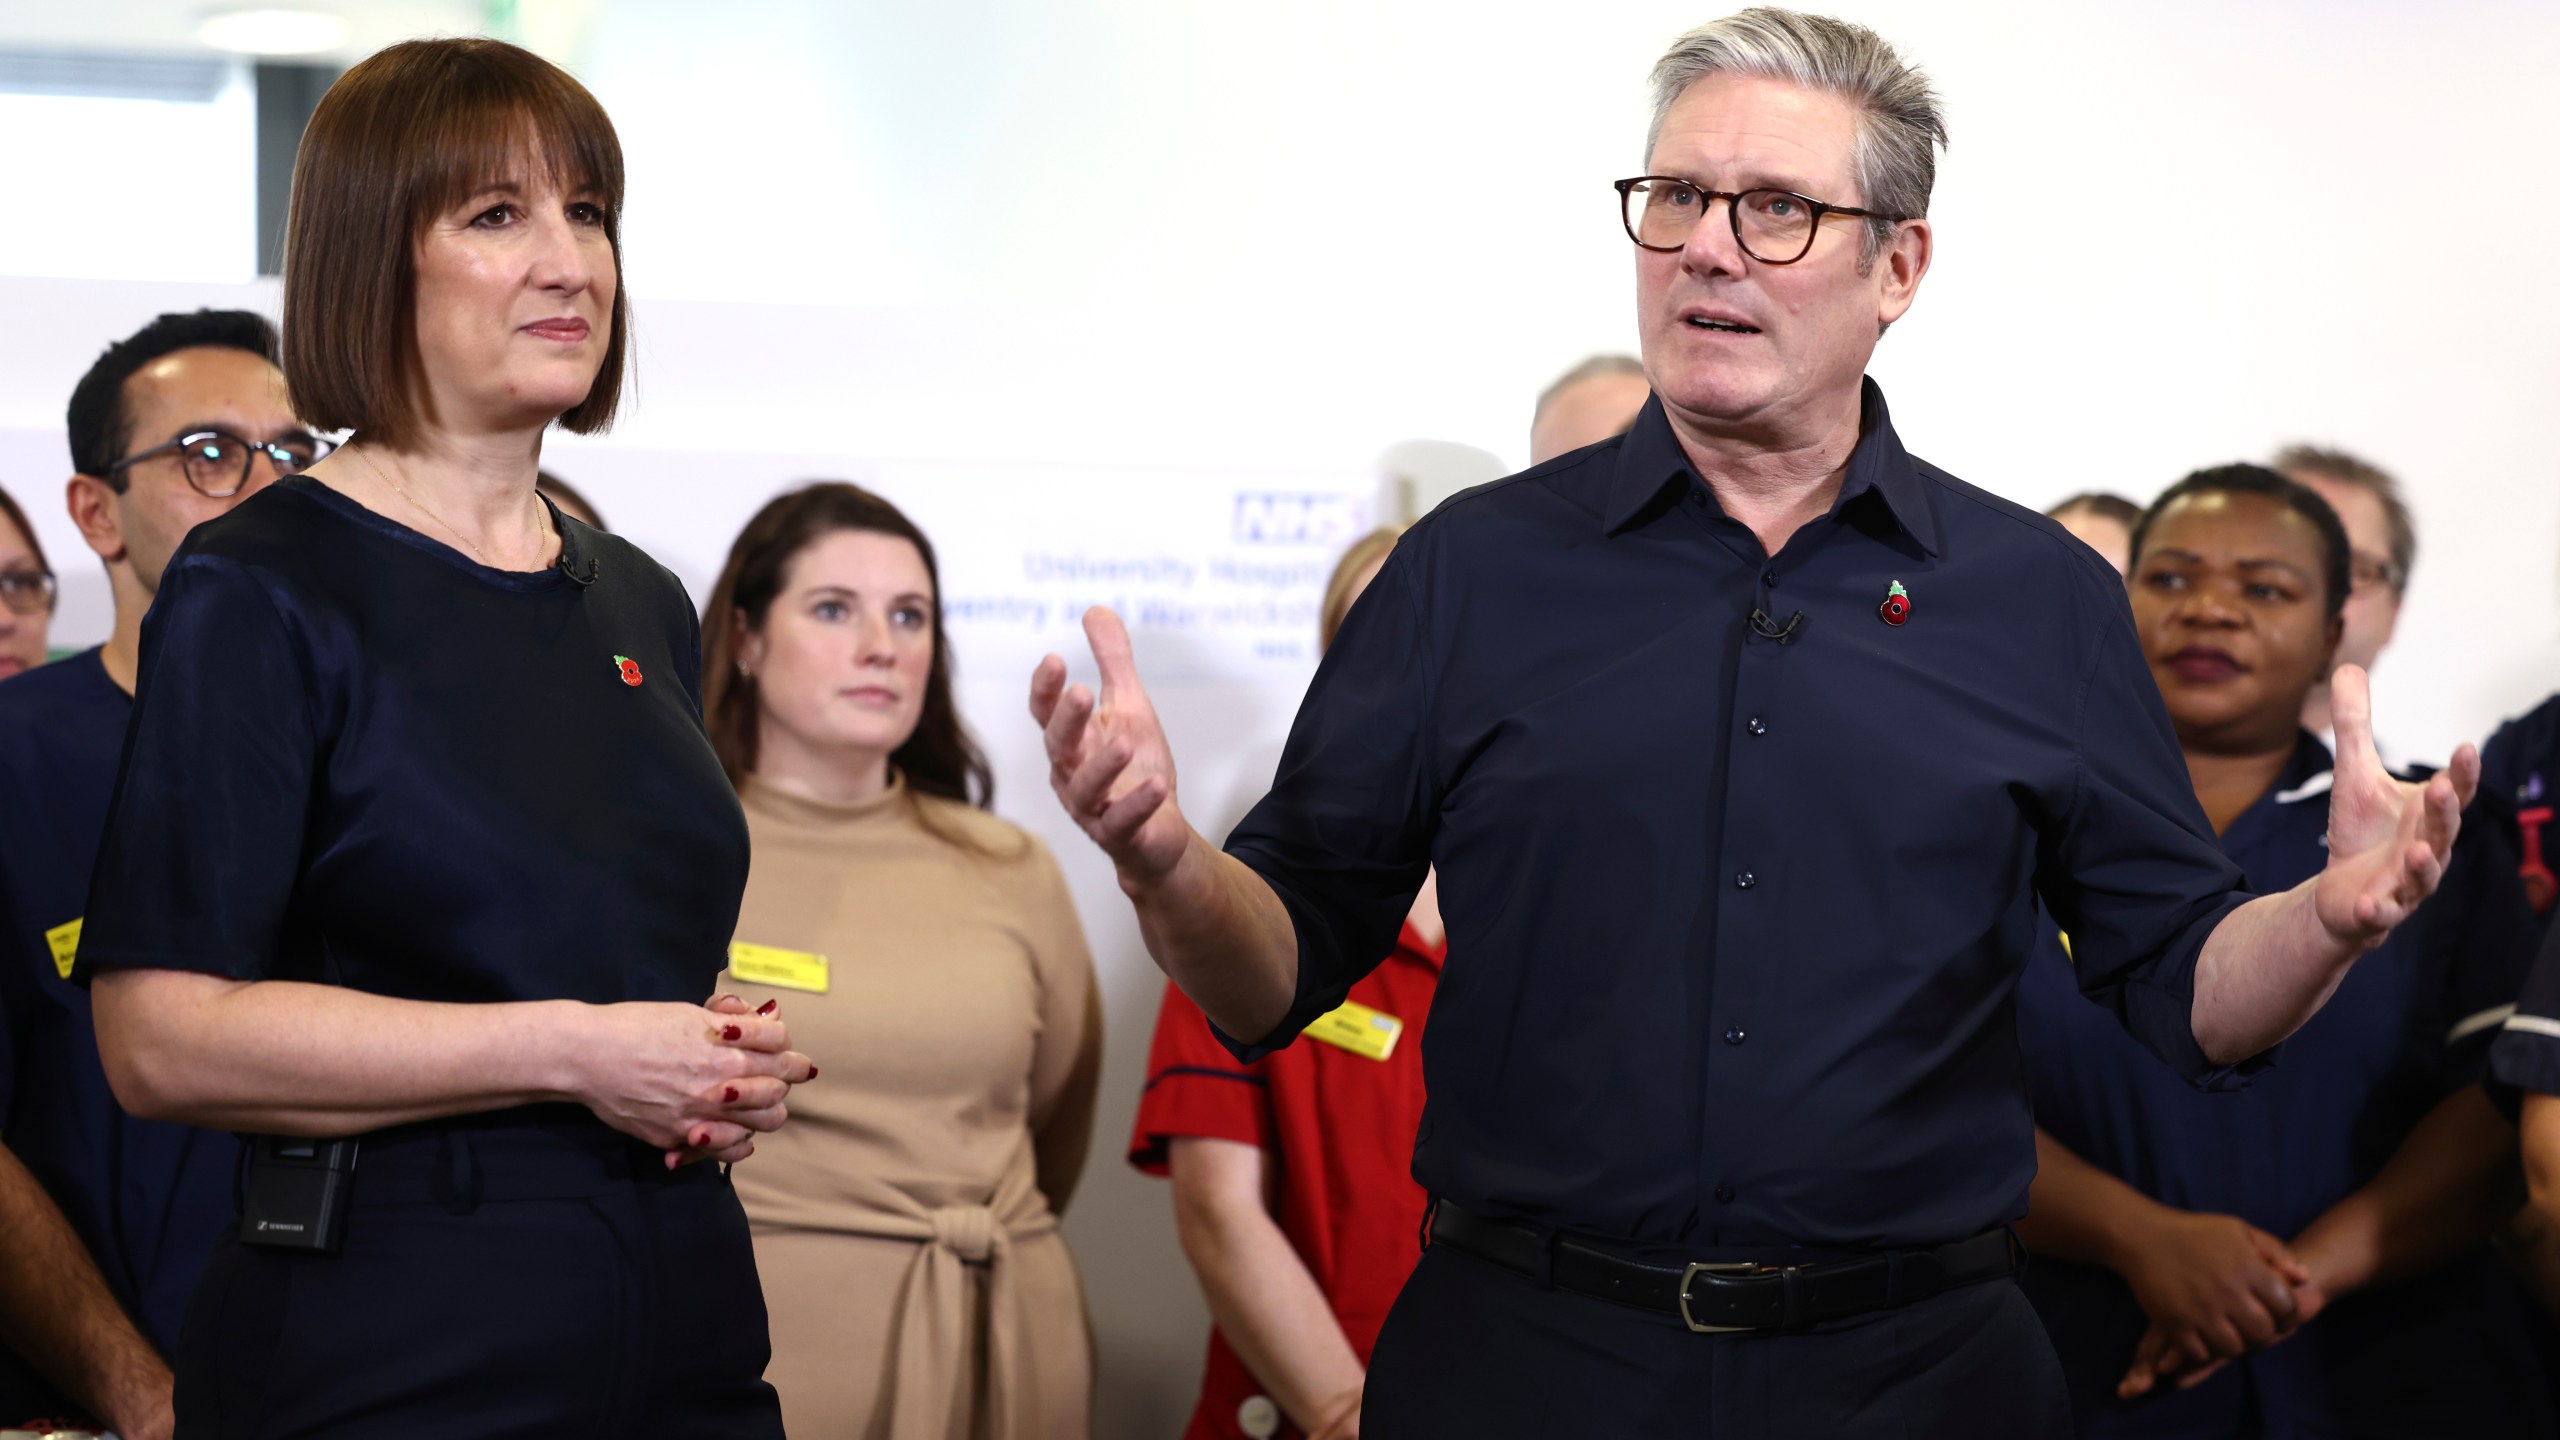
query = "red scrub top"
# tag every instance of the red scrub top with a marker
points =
(1339, 1128)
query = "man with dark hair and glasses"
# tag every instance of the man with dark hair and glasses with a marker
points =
(105, 1220)
(1745, 747)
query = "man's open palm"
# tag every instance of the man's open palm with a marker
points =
(1108, 760)
(2388, 838)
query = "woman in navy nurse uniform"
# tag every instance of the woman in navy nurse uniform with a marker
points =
(2308, 1256)
(418, 838)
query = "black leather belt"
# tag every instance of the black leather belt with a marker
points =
(1712, 1297)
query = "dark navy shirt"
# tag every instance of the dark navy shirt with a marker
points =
(2522, 763)
(2442, 1354)
(358, 757)
(1735, 921)
(147, 1199)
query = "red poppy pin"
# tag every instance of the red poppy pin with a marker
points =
(629, 667)
(1895, 609)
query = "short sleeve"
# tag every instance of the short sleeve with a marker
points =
(2526, 1054)
(1344, 836)
(2131, 869)
(204, 837)
(2485, 940)
(1195, 1090)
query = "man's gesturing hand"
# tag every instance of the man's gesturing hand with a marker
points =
(2388, 839)
(1108, 760)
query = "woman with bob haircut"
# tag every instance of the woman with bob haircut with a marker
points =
(907, 1221)
(420, 860)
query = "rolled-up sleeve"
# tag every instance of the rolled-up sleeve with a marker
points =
(1344, 836)
(2132, 869)
(204, 838)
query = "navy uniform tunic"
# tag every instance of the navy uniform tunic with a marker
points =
(147, 1199)
(358, 758)
(2522, 764)
(2411, 1024)
(1736, 911)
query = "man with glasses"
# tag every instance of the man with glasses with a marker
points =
(105, 1220)
(1746, 747)
(2382, 545)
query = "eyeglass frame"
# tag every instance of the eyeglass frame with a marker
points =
(1733, 214)
(43, 582)
(320, 448)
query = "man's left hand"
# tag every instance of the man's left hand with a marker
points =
(2388, 838)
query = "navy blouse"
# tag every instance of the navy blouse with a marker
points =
(2441, 1354)
(358, 757)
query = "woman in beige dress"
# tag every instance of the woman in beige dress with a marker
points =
(929, 960)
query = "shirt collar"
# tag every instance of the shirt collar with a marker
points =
(1650, 460)
(2296, 804)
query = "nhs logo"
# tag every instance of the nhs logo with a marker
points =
(1277, 517)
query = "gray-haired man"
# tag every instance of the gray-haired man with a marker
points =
(1747, 747)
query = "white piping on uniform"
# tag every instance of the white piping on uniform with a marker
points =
(2533, 1024)
(2489, 1019)
(2317, 785)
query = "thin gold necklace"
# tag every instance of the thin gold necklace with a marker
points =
(420, 506)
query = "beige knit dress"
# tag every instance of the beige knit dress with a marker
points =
(904, 1220)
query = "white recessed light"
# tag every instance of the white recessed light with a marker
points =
(273, 32)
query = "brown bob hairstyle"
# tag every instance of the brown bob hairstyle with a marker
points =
(939, 759)
(406, 135)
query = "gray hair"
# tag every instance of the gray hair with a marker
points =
(1591, 369)
(1900, 125)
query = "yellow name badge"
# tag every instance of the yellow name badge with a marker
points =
(1357, 1028)
(782, 969)
(64, 941)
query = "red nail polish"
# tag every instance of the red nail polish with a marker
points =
(731, 1094)
(730, 1032)
(697, 1137)
(812, 1075)
(768, 1007)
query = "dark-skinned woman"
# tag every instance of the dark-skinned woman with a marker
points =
(419, 842)
(2309, 1255)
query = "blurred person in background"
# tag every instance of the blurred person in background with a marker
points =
(906, 1222)
(1292, 1176)
(1587, 404)
(571, 500)
(2384, 550)
(172, 426)
(27, 591)
(2309, 1256)
(420, 864)
(2102, 522)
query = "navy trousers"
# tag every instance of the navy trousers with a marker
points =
(498, 1280)
(1473, 1351)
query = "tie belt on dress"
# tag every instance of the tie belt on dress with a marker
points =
(935, 1325)
(1713, 1297)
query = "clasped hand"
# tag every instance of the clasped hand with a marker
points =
(2216, 1288)
(699, 1082)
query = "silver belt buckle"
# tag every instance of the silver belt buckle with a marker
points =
(1743, 1267)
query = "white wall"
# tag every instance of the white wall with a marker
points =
(1086, 253)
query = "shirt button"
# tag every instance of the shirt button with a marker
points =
(1724, 1194)
(1745, 880)
(1734, 1036)
(1769, 578)
(1756, 727)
